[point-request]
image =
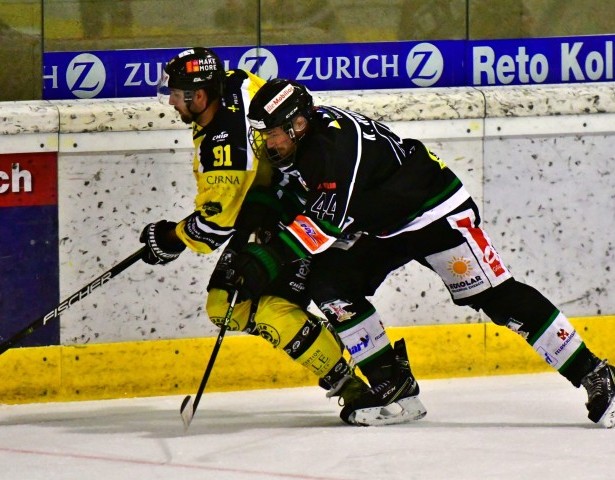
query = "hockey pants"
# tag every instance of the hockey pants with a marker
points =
(462, 254)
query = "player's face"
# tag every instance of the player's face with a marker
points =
(279, 141)
(178, 101)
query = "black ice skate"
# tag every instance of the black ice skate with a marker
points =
(393, 401)
(600, 386)
(349, 388)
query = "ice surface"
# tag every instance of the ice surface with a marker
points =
(506, 427)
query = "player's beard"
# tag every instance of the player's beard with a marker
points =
(185, 116)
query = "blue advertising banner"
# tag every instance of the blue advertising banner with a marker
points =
(348, 66)
(540, 60)
(135, 73)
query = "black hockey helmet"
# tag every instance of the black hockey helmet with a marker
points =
(191, 70)
(276, 104)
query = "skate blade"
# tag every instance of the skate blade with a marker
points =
(608, 418)
(413, 405)
(405, 410)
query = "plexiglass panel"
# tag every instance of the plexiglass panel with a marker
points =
(29, 27)
(20, 49)
(74, 25)
(539, 18)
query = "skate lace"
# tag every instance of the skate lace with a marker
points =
(340, 389)
(381, 386)
(337, 387)
(594, 383)
(594, 386)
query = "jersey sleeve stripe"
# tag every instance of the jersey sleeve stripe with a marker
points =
(359, 146)
(290, 241)
(200, 236)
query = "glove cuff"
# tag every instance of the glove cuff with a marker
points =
(158, 252)
(163, 236)
(267, 259)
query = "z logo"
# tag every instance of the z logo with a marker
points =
(85, 75)
(424, 65)
(259, 61)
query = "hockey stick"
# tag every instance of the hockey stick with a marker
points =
(70, 301)
(188, 407)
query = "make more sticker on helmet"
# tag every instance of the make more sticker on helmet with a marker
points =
(192, 70)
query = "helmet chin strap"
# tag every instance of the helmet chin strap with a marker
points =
(188, 100)
(288, 160)
(195, 115)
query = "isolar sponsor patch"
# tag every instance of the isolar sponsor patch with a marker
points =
(460, 271)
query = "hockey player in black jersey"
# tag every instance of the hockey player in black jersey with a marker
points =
(233, 199)
(374, 202)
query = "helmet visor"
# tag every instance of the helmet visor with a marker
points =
(163, 91)
(258, 142)
(266, 145)
(171, 96)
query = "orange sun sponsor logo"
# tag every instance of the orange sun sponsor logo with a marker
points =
(460, 267)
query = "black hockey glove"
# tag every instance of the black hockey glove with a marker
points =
(253, 270)
(223, 276)
(161, 244)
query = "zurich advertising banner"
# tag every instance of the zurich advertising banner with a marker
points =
(135, 73)
(354, 66)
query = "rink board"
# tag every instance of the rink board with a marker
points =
(161, 367)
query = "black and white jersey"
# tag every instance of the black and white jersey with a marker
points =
(361, 177)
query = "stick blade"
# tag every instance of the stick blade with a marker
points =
(187, 411)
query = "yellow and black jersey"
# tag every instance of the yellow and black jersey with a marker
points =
(224, 167)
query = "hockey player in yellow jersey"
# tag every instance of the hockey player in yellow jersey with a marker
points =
(233, 199)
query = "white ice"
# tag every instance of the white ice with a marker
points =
(506, 427)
